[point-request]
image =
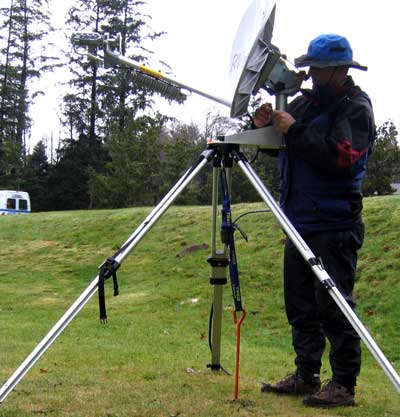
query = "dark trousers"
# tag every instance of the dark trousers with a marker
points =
(312, 312)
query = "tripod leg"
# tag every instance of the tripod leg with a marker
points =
(87, 294)
(318, 270)
(218, 279)
(219, 263)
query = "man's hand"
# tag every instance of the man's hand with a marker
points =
(263, 115)
(282, 121)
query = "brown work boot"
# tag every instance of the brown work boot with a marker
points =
(293, 384)
(331, 395)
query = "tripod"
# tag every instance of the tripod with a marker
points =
(215, 152)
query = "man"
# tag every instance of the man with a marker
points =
(329, 133)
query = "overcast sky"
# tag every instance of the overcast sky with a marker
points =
(200, 37)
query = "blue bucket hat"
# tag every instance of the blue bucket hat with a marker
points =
(328, 51)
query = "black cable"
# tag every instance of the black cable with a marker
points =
(251, 212)
(210, 326)
(209, 338)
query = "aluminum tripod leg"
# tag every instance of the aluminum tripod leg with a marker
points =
(219, 264)
(83, 299)
(318, 270)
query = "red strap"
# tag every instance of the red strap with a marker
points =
(238, 324)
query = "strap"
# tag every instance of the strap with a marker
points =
(102, 299)
(227, 236)
(106, 270)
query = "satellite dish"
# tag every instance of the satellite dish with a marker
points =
(253, 57)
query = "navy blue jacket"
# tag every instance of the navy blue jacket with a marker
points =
(325, 159)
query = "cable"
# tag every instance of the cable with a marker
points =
(251, 212)
(209, 337)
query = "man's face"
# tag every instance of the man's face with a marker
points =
(333, 76)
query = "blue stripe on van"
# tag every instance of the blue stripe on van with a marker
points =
(11, 211)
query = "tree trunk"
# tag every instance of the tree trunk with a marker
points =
(93, 93)
(123, 86)
(4, 87)
(22, 99)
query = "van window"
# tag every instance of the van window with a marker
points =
(11, 203)
(23, 204)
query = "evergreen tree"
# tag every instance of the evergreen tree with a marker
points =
(106, 99)
(383, 164)
(24, 24)
(69, 178)
(123, 97)
(84, 15)
(132, 175)
(103, 104)
(182, 144)
(10, 162)
(36, 178)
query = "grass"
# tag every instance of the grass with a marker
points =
(150, 359)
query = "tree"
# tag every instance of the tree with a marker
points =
(10, 161)
(106, 100)
(132, 174)
(102, 106)
(383, 164)
(36, 178)
(84, 15)
(181, 145)
(123, 96)
(24, 24)
(69, 178)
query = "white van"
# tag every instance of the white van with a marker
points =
(14, 202)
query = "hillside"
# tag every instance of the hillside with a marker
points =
(150, 359)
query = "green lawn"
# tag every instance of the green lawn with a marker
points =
(150, 359)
